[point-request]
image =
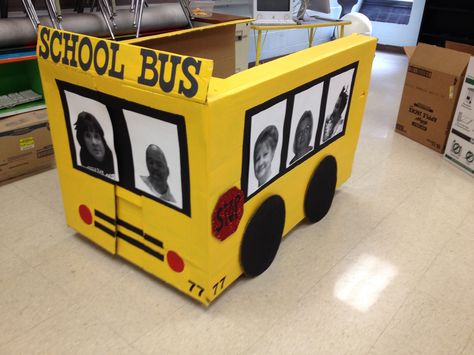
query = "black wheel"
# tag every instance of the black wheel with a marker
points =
(263, 236)
(321, 188)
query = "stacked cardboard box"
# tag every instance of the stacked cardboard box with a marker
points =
(431, 91)
(25, 144)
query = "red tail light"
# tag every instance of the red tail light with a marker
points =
(175, 262)
(85, 213)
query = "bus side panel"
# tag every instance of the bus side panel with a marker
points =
(89, 202)
(265, 87)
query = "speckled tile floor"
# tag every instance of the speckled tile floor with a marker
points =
(388, 271)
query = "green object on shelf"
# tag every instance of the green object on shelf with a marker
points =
(19, 76)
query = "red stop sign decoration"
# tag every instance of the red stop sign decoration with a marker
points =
(228, 213)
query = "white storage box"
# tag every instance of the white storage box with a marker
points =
(460, 146)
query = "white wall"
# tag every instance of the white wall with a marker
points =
(401, 35)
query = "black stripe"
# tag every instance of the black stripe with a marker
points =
(139, 245)
(104, 217)
(22, 131)
(462, 135)
(104, 229)
(155, 241)
(130, 227)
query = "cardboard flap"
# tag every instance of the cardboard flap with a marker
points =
(440, 59)
(460, 47)
(409, 51)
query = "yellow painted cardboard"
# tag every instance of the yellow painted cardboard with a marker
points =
(216, 121)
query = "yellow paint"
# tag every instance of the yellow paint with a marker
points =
(214, 120)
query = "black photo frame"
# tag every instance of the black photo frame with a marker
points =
(123, 144)
(318, 120)
(268, 122)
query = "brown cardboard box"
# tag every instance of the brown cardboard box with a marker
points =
(25, 144)
(204, 43)
(431, 91)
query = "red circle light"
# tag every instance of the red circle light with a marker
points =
(174, 261)
(85, 214)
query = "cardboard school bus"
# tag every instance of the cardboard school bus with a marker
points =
(195, 177)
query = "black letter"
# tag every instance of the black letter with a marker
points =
(54, 57)
(99, 46)
(192, 90)
(112, 72)
(146, 53)
(72, 48)
(44, 36)
(175, 60)
(220, 220)
(85, 42)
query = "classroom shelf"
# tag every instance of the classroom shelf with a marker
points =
(19, 72)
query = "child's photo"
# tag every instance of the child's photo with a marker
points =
(263, 154)
(93, 135)
(337, 103)
(156, 157)
(265, 146)
(158, 173)
(304, 123)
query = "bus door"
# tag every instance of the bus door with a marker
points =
(153, 191)
(88, 166)
(92, 211)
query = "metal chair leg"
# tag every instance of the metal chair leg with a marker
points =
(3, 8)
(53, 13)
(187, 11)
(106, 14)
(59, 15)
(110, 11)
(31, 13)
(139, 15)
